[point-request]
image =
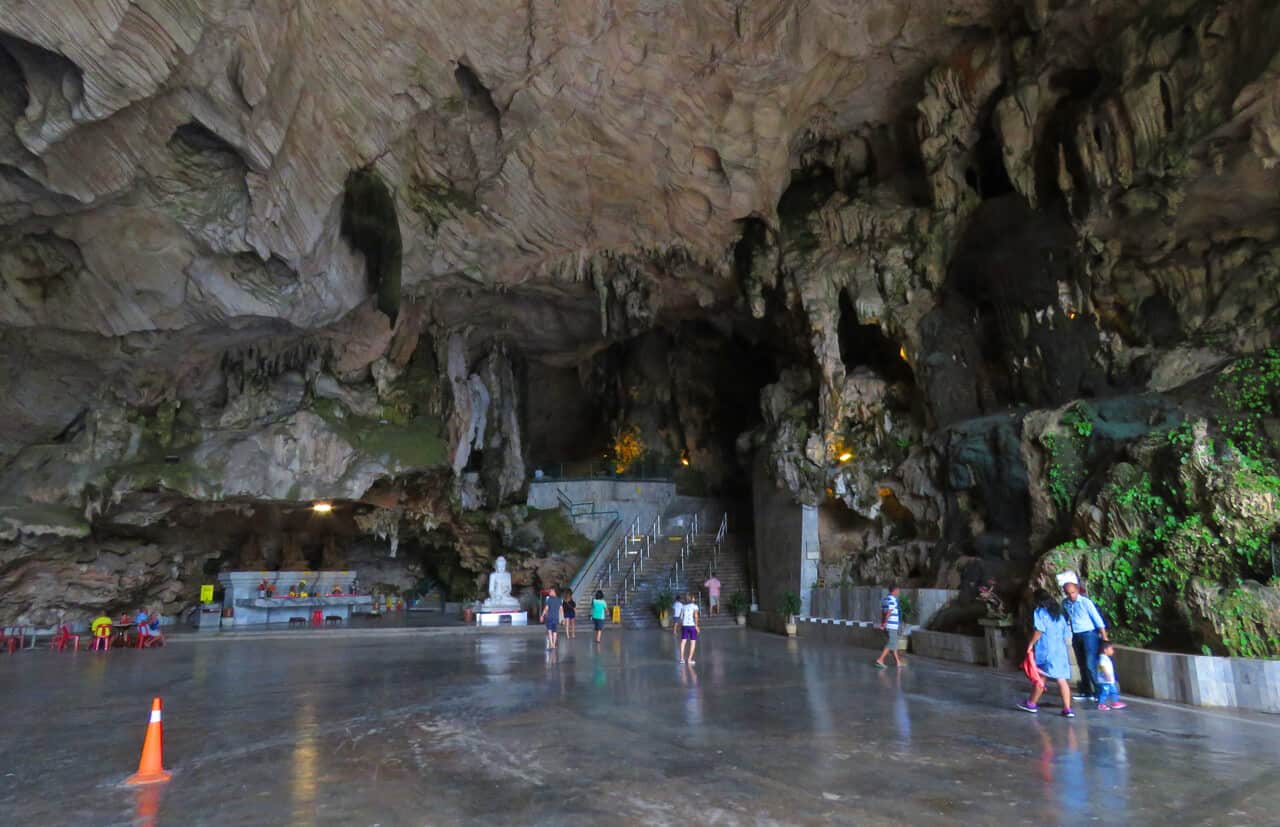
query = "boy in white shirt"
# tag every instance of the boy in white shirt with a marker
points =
(1108, 688)
(676, 609)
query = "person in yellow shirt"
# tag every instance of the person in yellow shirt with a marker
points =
(101, 628)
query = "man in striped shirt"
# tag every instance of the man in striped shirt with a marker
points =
(889, 622)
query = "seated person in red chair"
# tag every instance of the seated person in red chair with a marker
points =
(101, 628)
(148, 627)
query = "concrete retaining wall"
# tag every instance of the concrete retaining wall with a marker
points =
(608, 495)
(1200, 680)
(862, 603)
(848, 633)
(947, 646)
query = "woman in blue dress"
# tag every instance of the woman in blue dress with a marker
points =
(1050, 644)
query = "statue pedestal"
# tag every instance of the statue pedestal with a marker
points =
(497, 617)
(241, 593)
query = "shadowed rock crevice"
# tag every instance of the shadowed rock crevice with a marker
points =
(370, 225)
(477, 96)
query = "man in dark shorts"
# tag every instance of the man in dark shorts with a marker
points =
(598, 609)
(551, 617)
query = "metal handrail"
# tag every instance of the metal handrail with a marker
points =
(643, 544)
(592, 564)
(720, 535)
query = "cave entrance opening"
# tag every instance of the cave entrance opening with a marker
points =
(866, 345)
(370, 225)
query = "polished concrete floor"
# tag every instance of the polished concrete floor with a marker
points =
(468, 729)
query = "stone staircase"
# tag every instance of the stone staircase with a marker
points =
(659, 572)
(730, 566)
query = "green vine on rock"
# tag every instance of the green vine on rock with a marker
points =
(1248, 390)
(1065, 471)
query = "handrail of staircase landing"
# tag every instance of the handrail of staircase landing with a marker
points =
(598, 553)
(645, 551)
(572, 509)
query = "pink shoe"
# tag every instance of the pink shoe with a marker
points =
(1119, 705)
(1103, 707)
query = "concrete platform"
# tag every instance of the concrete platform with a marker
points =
(467, 729)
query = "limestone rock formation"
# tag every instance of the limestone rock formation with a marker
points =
(950, 271)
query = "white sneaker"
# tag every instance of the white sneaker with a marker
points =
(681, 660)
(692, 662)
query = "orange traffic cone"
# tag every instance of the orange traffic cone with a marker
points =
(150, 766)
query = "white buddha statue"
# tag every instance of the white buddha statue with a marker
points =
(500, 598)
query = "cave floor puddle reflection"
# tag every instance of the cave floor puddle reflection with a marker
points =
(454, 730)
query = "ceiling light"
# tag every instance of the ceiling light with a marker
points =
(322, 508)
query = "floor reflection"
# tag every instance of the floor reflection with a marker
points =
(692, 695)
(1083, 771)
(303, 778)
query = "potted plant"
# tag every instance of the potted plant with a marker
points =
(907, 609)
(738, 607)
(790, 608)
(662, 605)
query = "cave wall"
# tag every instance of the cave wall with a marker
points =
(955, 272)
(786, 544)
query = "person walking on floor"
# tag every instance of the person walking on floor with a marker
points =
(1087, 631)
(677, 609)
(570, 608)
(598, 610)
(1108, 686)
(889, 622)
(689, 623)
(1050, 647)
(551, 618)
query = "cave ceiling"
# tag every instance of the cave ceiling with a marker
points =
(199, 198)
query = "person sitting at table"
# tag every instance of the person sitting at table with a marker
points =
(149, 628)
(142, 622)
(101, 629)
(337, 590)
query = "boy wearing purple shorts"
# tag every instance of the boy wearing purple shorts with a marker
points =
(689, 618)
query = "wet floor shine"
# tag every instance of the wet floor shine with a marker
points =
(467, 729)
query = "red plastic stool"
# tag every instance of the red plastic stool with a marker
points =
(317, 618)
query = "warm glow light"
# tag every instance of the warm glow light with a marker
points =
(902, 351)
(846, 456)
(322, 508)
(684, 461)
(1071, 314)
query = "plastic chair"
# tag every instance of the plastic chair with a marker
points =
(101, 639)
(63, 638)
(11, 641)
